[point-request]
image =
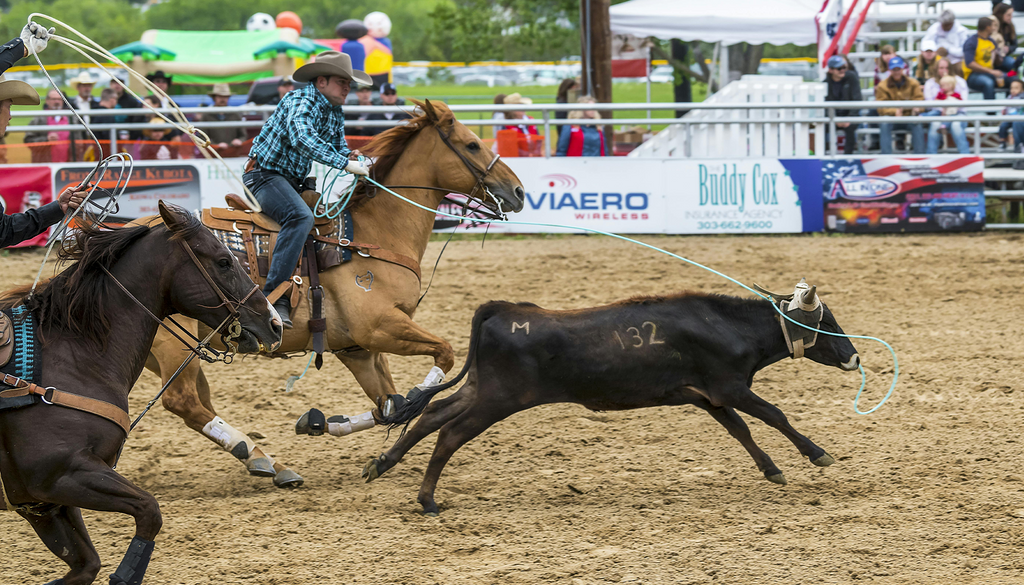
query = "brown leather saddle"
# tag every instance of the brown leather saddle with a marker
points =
(6, 339)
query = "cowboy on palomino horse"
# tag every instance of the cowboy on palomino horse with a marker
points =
(18, 227)
(369, 301)
(308, 125)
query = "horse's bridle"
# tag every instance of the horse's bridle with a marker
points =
(202, 350)
(494, 211)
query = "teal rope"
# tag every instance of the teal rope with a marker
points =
(293, 378)
(895, 360)
(333, 210)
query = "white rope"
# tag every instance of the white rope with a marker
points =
(198, 137)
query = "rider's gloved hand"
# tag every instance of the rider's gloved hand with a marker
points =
(35, 37)
(358, 167)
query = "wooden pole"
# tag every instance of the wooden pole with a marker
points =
(596, 39)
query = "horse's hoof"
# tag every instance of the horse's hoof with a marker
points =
(313, 423)
(778, 478)
(288, 479)
(370, 471)
(260, 467)
(430, 514)
(824, 461)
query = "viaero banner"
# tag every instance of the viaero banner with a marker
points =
(629, 195)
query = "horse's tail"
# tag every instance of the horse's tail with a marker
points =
(415, 405)
(15, 296)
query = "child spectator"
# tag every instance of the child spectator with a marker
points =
(1016, 93)
(950, 91)
(882, 63)
(580, 140)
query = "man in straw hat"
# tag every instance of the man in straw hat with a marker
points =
(19, 227)
(221, 138)
(307, 125)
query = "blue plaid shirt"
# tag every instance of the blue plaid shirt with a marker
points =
(304, 127)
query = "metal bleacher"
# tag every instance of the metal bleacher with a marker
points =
(903, 23)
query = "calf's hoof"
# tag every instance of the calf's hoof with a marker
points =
(371, 471)
(313, 423)
(778, 478)
(824, 461)
(261, 467)
(288, 479)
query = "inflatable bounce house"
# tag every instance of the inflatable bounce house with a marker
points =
(267, 47)
(367, 43)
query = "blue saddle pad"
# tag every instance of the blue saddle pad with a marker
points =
(26, 363)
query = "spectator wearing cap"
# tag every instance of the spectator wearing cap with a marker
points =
(1005, 37)
(924, 64)
(283, 87)
(221, 137)
(899, 87)
(843, 85)
(519, 115)
(981, 60)
(388, 97)
(364, 97)
(949, 34)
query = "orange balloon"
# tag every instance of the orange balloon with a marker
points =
(289, 19)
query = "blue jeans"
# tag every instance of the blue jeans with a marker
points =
(1018, 132)
(984, 83)
(280, 199)
(916, 133)
(1009, 63)
(956, 129)
(1004, 130)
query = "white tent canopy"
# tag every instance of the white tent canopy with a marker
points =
(777, 22)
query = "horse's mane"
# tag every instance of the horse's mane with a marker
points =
(388, 146)
(68, 303)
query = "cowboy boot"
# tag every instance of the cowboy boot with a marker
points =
(284, 309)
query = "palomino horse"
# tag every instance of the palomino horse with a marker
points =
(56, 460)
(368, 303)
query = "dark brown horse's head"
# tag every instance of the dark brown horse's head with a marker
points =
(460, 158)
(192, 294)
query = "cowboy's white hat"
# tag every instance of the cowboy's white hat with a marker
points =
(83, 77)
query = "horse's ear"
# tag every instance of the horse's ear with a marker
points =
(428, 109)
(171, 214)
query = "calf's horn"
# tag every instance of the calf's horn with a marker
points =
(765, 291)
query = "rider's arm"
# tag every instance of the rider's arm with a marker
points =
(19, 227)
(10, 53)
(307, 139)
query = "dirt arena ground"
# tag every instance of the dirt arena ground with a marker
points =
(929, 489)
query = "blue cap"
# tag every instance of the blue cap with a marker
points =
(835, 62)
(897, 62)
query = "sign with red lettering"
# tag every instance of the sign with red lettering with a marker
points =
(149, 183)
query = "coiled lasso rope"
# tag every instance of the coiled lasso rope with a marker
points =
(198, 137)
(863, 375)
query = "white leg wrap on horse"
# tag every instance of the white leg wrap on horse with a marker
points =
(226, 436)
(434, 377)
(359, 422)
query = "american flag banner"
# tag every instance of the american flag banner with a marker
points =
(896, 194)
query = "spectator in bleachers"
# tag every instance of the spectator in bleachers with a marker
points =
(156, 139)
(948, 86)
(108, 101)
(882, 63)
(843, 85)
(163, 82)
(388, 97)
(283, 87)
(562, 97)
(950, 34)
(364, 93)
(582, 140)
(1005, 37)
(222, 138)
(519, 115)
(924, 64)
(981, 60)
(52, 152)
(1016, 93)
(899, 87)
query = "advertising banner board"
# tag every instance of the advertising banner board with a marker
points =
(901, 194)
(150, 182)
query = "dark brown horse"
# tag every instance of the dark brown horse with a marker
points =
(54, 460)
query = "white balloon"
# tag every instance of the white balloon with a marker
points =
(260, 21)
(378, 24)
